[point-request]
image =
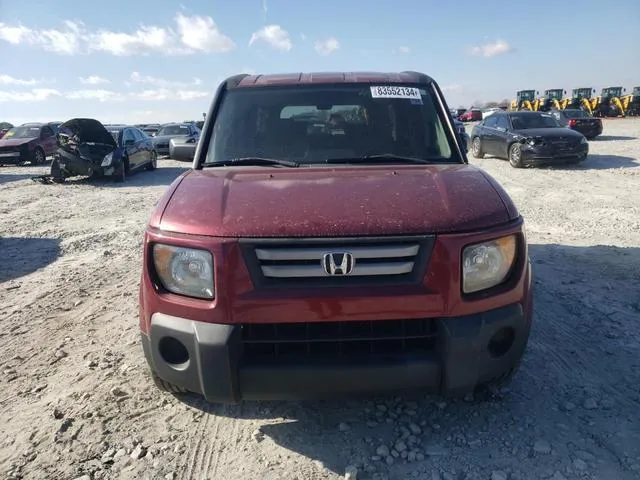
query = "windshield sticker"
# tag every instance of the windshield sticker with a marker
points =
(395, 92)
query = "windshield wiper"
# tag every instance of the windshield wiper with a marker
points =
(258, 161)
(380, 158)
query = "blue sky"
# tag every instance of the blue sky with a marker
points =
(144, 61)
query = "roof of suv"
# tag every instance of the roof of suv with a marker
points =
(328, 77)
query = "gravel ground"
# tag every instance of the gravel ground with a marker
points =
(76, 402)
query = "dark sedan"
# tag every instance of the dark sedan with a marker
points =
(87, 148)
(527, 138)
(580, 121)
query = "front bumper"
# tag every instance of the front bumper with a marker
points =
(12, 158)
(73, 165)
(533, 155)
(183, 151)
(217, 369)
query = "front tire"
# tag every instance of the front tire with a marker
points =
(39, 158)
(121, 176)
(476, 148)
(515, 156)
(57, 175)
(153, 164)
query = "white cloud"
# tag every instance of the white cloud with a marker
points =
(492, 49)
(303, 37)
(100, 95)
(162, 83)
(9, 80)
(264, 6)
(200, 33)
(35, 95)
(451, 88)
(273, 35)
(193, 34)
(168, 94)
(403, 50)
(325, 47)
(93, 80)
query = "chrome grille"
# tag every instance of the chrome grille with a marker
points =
(325, 262)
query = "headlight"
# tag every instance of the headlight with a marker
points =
(487, 264)
(108, 158)
(185, 271)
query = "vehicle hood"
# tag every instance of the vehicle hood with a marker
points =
(552, 132)
(85, 130)
(342, 201)
(14, 142)
(166, 138)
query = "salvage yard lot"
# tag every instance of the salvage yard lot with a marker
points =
(75, 397)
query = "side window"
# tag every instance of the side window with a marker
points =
(502, 122)
(137, 134)
(46, 132)
(491, 121)
(127, 136)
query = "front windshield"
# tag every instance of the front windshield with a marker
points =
(527, 95)
(174, 130)
(22, 132)
(533, 120)
(315, 124)
(555, 94)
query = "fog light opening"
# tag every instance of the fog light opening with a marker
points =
(173, 351)
(501, 342)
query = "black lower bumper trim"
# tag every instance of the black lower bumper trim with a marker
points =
(214, 368)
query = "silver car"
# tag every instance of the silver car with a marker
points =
(174, 130)
(182, 148)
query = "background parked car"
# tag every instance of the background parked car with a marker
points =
(580, 121)
(527, 138)
(173, 130)
(472, 115)
(151, 129)
(88, 148)
(30, 142)
(183, 148)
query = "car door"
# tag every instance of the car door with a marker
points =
(143, 147)
(130, 147)
(48, 140)
(502, 135)
(489, 135)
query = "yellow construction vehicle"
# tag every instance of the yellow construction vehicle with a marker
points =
(550, 100)
(525, 100)
(581, 98)
(632, 107)
(609, 103)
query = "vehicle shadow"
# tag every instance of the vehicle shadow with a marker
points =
(24, 255)
(599, 162)
(584, 344)
(8, 177)
(162, 176)
(604, 138)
